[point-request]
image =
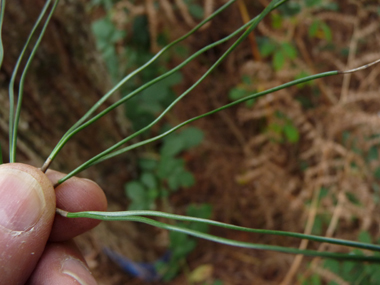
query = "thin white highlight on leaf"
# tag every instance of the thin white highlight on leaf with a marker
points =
(360, 67)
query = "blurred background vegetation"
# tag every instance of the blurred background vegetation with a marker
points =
(305, 159)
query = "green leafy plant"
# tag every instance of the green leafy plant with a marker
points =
(106, 36)
(283, 129)
(280, 52)
(159, 177)
(321, 30)
(142, 215)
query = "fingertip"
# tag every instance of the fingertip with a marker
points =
(62, 263)
(75, 195)
(27, 208)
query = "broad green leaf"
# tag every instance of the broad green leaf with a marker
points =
(173, 146)
(147, 164)
(153, 193)
(375, 277)
(140, 199)
(237, 93)
(291, 133)
(326, 31)
(167, 166)
(278, 60)
(315, 280)
(267, 48)
(347, 267)
(332, 265)
(179, 177)
(352, 198)
(289, 50)
(373, 154)
(317, 226)
(312, 3)
(364, 236)
(177, 239)
(313, 29)
(200, 211)
(192, 137)
(323, 192)
(276, 128)
(149, 180)
(186, 179)
(276, 20)
(103, 29)
(135, 190)
(377, 173)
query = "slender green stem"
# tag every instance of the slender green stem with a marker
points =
(124, 216)
(14, 118)
(77, 126)
(2, 9)
(64, 140)
(339, 256)
(251, 26)
(119, 216)
(106, 155)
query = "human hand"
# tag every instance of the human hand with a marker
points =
(35, 244)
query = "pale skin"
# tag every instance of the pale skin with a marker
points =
(36, 245)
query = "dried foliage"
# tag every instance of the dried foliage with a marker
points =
(338, 134)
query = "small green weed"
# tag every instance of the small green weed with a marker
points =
(281, 52)
(282, 129)
(165, 174)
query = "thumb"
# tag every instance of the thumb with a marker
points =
(27, 208)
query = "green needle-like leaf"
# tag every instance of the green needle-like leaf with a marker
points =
(251, 25)
(104, 155)
(14, 119)
(136, 216)
(2, 9)
(78, 125)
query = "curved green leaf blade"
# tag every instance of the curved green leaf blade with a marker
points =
(123, 215)
(14, 118)
(134, 216)
(105, 154)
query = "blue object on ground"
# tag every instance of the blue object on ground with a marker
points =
(143, 270)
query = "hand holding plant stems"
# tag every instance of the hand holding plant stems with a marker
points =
(139, 216)
(36, 245)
